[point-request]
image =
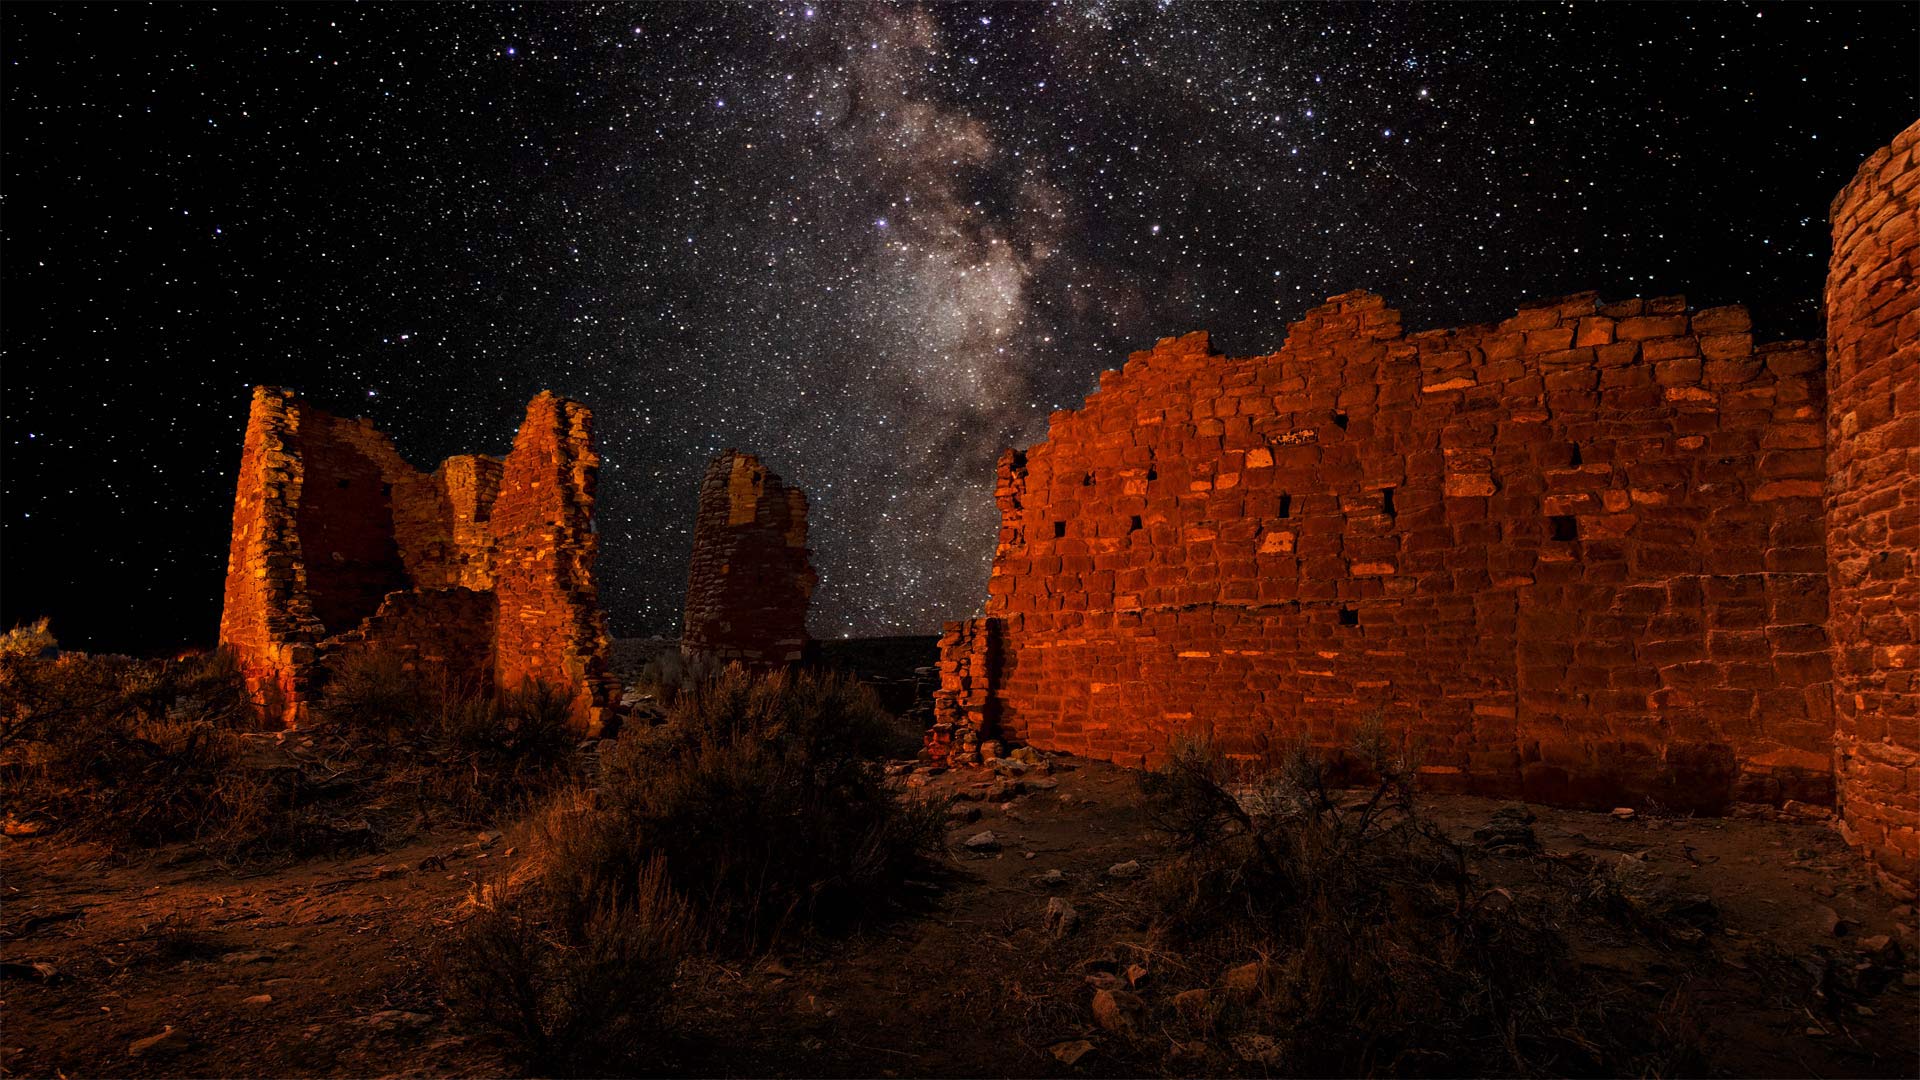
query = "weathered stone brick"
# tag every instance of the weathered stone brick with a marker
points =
(1872, 354)
(479, 572)
(750, 579)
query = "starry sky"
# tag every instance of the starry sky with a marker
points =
(873, 244)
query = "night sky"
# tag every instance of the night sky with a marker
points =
(874, 245)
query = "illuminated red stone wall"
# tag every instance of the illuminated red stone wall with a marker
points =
(550, 627)
(750, 580)
(1873, 506)
(338, 544)
(1575, 556)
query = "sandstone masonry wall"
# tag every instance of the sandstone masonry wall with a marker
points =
(1873, 507)
(750, 578)
(338, 544)
(550, 626)
(1575, 556)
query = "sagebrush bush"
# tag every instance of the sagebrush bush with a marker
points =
(472, 754)
(145, 752)
(32, 640)
(672, 672)
(573, 981)
(372, 694)
(763, 797)
(1379, 952)
(122, 750)
(499, 752)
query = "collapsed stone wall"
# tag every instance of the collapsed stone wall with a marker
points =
(963, 707)
(1873, 506)
(339, 545)
(750, 578)
(1576, 556)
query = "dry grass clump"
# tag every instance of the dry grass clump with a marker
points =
(1359, 942)
(672, 672)
(471, 755)
(139, 753)
(124, 751)
(574, 981)
(32, 640)
(755, 812)
(764, 797)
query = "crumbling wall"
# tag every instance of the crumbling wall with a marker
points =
(339, 545)
(750, 579)
(1873, 507)
(550, 627)
(1574, 556)
(266, 619)
(445, 635)
(963, 713)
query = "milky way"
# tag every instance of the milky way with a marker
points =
(873, 244)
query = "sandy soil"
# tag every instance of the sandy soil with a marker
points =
(316, 969)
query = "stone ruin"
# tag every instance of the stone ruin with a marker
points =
(1593, 553)
(750, 579)
(478, 574)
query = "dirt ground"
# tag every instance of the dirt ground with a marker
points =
(317, 968)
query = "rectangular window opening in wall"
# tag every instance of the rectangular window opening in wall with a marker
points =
(1286, 506)
(1340, 419)
(1349, 617)
(1059, 529)
(1573, 455)
(1386, 502)
(1134, 525)
(1563, 527)
(343, 484)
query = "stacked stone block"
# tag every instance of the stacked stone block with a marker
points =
(1574, 556)
(1873, 507)
(750, 579)
(339, 545)
(962, 706)
(550, 629)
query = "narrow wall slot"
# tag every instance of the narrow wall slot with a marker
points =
(1135, 525)
(1340, 420)
(1386, 502)
(1286, 506)
(1059, 529)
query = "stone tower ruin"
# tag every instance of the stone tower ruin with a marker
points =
(478, 575)
(750, 579)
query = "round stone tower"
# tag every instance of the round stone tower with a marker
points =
(1873, 507)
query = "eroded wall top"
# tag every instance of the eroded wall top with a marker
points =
(1574, 554)
(337, 541)
(750, 578)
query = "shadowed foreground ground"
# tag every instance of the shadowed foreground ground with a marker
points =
(316, 969)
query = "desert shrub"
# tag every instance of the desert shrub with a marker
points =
(123, 750)
(497, 752)
(471, 755)
(1378, 954)
(763, 798)
(672, 672)
(372, 695)
(29, 641)
(141, 752)
(572, 981)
